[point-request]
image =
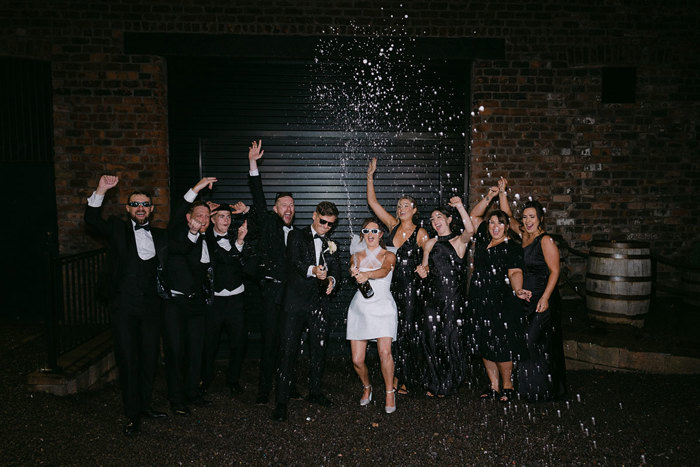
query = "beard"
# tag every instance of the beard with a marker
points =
(138, 221)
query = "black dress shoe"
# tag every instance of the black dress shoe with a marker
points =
(200, 402)
(319, 399)
(181, 410)
(280, 413)
(295, 394)
(262, 399)
(150, 413)
(133, 427)
(235, 389)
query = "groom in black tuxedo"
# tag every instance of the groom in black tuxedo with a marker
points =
(135, 251)
(313, 269)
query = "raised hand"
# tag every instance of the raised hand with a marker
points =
(194, 225)
(107, 182)
(255, 151)
(206, 181)
(502, 185)
(212, 206)
(456, 202)
(493, 191)
(239, 208)
(372, 167)
(242, 231)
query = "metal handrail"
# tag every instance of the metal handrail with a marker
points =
(76, 313)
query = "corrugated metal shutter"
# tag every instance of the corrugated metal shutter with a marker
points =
(317, 142)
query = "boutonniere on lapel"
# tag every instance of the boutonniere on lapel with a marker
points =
(332, 247)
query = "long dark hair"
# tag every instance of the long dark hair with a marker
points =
(504, 219)
(539, 212)
(446, 211)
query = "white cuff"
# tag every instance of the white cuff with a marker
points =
(190, 196)
(193, 237)
(254, 173)
(95, 201)
(309, 273)
(238, 247)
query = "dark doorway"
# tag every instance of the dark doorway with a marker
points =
(28, 186)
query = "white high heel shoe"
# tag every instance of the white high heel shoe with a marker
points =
(364, 402)
(390, 409)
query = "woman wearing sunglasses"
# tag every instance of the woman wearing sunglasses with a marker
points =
(406, 239)
(374, 317)
(445, 267)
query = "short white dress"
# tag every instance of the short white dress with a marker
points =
(377, 316)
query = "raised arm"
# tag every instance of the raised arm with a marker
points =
(387, 219)
(255, 152)
(479, 209)
(92, 215)
(505, 206)
(456, 202)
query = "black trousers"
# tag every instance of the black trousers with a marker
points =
(226, 313)
(295, 320)
(184, 341)
(271, 302)
(136, 325)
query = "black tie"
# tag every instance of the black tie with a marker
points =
(324, 245)
(219, 237)
(145, 227)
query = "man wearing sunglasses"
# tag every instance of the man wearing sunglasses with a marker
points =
(313, 267)
(135, 251)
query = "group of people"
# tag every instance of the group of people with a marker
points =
(508, 314)
(187, 283)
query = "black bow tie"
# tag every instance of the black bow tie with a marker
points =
(146, 227)
(219, 237)
(319, 236)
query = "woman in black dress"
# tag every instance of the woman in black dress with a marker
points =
(406, 240)
(495, 309)
(542, 376)
(444, 301)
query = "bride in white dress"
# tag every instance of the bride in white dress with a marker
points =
(375, 317)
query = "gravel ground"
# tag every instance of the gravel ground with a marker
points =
(609, 419)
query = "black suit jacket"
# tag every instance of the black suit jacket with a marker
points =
(184, 270)
(302, 291)
(268, 227)
(121, 242)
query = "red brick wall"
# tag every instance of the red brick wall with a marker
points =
(604, 170)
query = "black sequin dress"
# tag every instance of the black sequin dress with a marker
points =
(407, 351)
(443, 312)
(496, 315)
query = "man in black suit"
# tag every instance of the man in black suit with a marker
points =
(313, 268)
(190, 278)
(231, 258)
(135, 251)
(273, 229)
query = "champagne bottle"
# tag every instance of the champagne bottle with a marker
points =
(366, 289)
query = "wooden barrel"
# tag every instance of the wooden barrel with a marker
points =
(618, 282)
(690, 280)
